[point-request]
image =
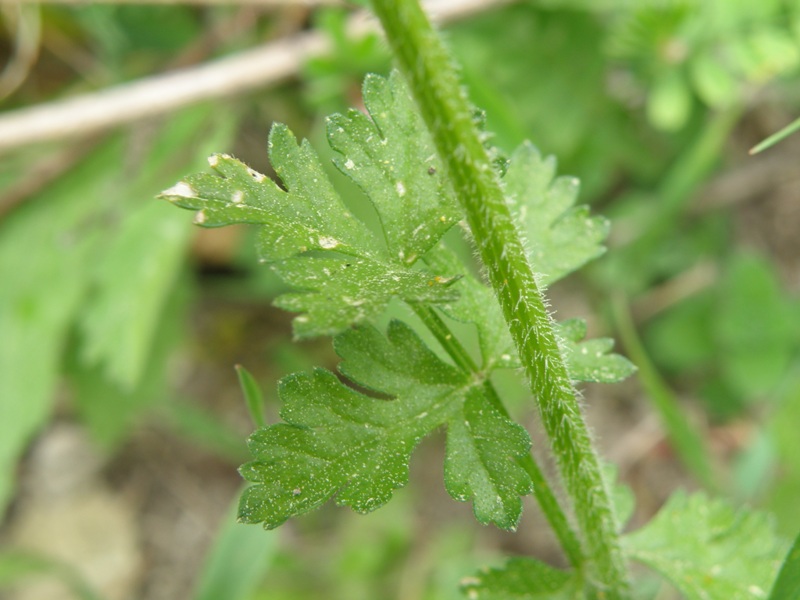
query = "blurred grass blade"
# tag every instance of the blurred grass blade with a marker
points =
(45, 247)
(238, 560)
(15, 567)
(252, 396)
(787, 585)
(776, 137)
(684, 438)
(142, 258)
(204, 429)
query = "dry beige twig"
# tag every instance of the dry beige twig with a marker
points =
(259, 3)
(248, 70)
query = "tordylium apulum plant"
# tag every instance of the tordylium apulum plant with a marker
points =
(422, 160)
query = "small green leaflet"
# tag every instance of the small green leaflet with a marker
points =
(561, 237)
(392, 159)
(523, 579)
(351, 291)
(345, 273)
(708, 549)
(591, 360)
(338, 442)
(476, 304)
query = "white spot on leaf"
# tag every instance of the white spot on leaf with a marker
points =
(328, 242)
(182, 189)
(349, 164)
(259, 177)
(238, 197)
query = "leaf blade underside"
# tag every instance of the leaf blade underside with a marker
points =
(338, 442)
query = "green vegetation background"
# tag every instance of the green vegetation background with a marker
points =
(120, 323)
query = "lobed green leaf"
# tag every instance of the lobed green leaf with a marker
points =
(346, 275)
(708, 549)
(591, 360)
(476, 304)
(339, 291)
(309, 216)
(339, 442)
(560, 237)
(480, 464)
(392, 159)
(335, 440)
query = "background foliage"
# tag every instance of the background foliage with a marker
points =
(120, 322)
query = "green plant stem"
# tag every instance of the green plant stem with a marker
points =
(445, 337)
(691, 169)
(447, 113)
(687, 442)
(541, 487)
(776, 137)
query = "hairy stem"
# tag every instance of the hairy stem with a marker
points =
(447, 113)
(541, 487)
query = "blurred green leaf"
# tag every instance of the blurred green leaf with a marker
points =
(135, 274)
(679, 339)
(46, 248)
(237, 562)
(774, 52)
(134, 278)
(508, 53)
(787, 585)
(16, 567)
(755, 326)
(523, 579)
(716, 86)
(70, 254)
(203, 428)
(621, 494)
(683, 435)
(103, 406)
(782, 429)
(333, 79)
(708, 549)
(669, 101)
(127, 39)
(253, 397)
